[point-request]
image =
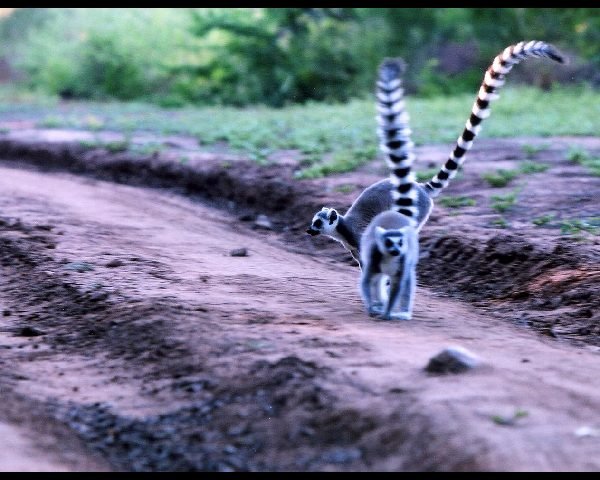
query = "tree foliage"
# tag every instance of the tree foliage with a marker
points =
(276, 56)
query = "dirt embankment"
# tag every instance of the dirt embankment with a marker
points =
(129, 327)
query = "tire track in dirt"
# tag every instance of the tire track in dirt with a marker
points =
(161, 351)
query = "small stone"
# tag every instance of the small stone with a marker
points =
(452, 360)
(230, 449)
(79, 266)
(6, 313)
(239, 252)
(236, 430)
(114, 263)
(30, 332)
(586, 431)
(341, 455)
(262, 221)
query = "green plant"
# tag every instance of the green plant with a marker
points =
(544, 219)
(577, 226)
(593, 165)
(577, 154)
(509, 420)
(500, 222)
(147, 149)
(116, 146)
(92, 122)
(531, 150)
(50, 121)
(528, 167)
(90, 143)
(500, 178)
(338, 162)
(457, 202)
(502, 203)
(581, 156)
(426, 175)
(345, 188)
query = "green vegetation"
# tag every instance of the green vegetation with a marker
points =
(528, 167)
(502, 203)
(500, 222)
(116, 145)
(503, 177)
(531, 150)
(113, 146)
(147, 148)
(345, 188)
(275, 56)
(581, 156)
(500, 178)
(456, 202)
(577, 154)
(332, 138)
(426, 175)
(577, 226)
(509, 420)
(543, 220)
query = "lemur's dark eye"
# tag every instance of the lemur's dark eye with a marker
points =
(318, 223)
(388, 243)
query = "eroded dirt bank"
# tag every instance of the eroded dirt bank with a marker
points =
(126, 319)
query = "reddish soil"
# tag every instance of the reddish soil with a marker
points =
(133, 340)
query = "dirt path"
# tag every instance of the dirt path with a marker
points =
(126, 319)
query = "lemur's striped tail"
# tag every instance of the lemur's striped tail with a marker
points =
(493, 80)
(394, 135)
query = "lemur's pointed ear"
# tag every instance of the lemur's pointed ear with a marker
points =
(332, 216)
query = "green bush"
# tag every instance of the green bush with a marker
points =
(276, 56)
(101, 52)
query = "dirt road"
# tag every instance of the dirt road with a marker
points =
(138, 342)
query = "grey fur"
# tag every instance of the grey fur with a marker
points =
(373, 200)
(400, 267)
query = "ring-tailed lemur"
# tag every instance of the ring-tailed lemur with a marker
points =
(347, 229)
(389, 246)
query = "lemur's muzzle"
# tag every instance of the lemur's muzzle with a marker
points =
(312, 231)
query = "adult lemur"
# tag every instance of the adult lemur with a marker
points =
(349, 228)
(389, 245)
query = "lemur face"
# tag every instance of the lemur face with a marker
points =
(325, 221)
(391, 242)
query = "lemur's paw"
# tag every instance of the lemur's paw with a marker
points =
(375, 310)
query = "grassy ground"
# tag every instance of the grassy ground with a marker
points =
(332, 138)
